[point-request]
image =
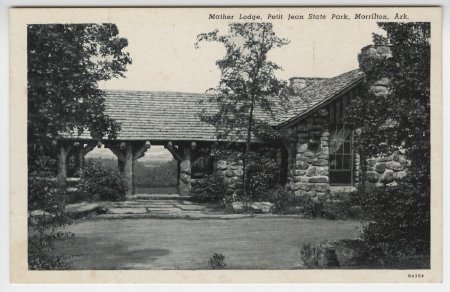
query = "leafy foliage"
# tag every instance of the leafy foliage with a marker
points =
(42, 190)
(406, 68)
(310, 256)
(211, 188)
(46, 215)
(281, 198)
(102, 183)
(247, 83)
(65, 64)
(217, 262)
(40, 247)
(400, 117)
(399, 220)
(342, 206)
(263, 177)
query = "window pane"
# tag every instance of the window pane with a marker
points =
(346, 162)
(348, 135)
(347, 147)
(338, 162)
(332, 162)
(340, 150)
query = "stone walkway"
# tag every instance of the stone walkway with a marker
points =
(170, 206)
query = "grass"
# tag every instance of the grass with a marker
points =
(251, 243)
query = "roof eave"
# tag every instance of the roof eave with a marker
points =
(326, 101)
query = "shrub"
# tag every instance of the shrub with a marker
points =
(40, 246)
(44, 194)
(399, 221)
(281, 199)
(217, 262)
(310, 256)
(263, 177)
(342, 206)
(101, 183)
(211, 188)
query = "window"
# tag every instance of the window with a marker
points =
(341, 146)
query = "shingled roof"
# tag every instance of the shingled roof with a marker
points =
(174, 116)
(316, 95)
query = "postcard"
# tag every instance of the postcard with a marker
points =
(226, 145)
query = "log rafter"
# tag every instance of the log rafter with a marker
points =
(139, 152)
(177, 153)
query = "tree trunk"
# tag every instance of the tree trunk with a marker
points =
(62, 166)
(247, 151)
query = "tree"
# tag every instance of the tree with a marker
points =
(248, 90)
(65, 64)
(394, 112)
(400, 116)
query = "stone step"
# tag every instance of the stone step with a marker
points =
(158, 197)
(173, 215)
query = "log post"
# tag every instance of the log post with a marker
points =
(63, 152)
(184, 185)
(128, 167)
(127, 153)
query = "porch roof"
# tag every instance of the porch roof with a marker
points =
(174, 116)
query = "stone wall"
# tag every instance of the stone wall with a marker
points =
(232, 172)
(308, 164)
(386, 170)
(231, 169)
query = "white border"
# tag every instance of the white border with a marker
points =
(4, 150)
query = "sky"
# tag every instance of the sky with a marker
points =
(164, 58)
(161, 45)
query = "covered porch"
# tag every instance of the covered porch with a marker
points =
(127, 152)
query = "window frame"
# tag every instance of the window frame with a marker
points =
(336, 111)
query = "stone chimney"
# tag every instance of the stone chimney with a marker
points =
(370, 55)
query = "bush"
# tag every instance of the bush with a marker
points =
(44, 194)
(281, 199)
(310, 256)
(217, 262)
(342, 206)
(263, 177)
(399, 221)
(211, 188)
(101, 183)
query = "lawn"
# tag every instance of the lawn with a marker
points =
(250, 243)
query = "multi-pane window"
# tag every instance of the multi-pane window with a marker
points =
(341, 145)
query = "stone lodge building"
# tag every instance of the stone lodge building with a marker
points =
(317, 159)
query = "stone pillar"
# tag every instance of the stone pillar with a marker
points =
(310, 175)
(184, 183)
